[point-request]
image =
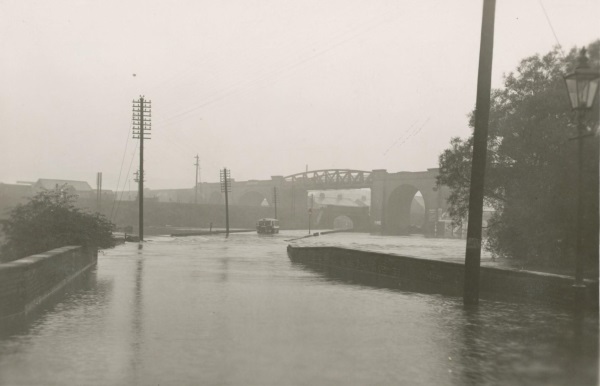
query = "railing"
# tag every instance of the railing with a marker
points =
(332, 178)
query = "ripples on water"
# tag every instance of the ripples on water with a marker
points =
(236, 311)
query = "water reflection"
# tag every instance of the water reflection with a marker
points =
(224, 258)
(501, 342)
(361, 278)
(236, 311)
(137, 317)
(79, 288)
(472, 351)
(584, 346)
(525, 344)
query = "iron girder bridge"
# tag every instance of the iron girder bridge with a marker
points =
(332, 179)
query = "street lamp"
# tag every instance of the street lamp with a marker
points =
(582, 86)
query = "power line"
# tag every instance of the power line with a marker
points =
(197, 164)
(408, 135)
(269, 77)
(552, 28)
(248, 84)
(123, 189)
(120, 172)
(309, 48)
(401, 136)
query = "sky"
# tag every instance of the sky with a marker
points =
(262, 87)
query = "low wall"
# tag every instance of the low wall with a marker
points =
(27, 282)
(433, 276)
(160, 214)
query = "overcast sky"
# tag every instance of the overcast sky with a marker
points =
(261, 87)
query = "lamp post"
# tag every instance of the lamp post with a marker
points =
(582, 87)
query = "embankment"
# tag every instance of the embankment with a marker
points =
(27, 282)
(434, 276)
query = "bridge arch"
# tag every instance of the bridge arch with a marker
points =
(403, 213)
(342, 217)
(343, 222)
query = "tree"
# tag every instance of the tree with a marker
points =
(530, 164)
(50, 220)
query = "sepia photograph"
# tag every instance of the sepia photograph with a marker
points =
(299, 192)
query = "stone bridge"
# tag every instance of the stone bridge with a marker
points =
(389, 211)
(391, 196)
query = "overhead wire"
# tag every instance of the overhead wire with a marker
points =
(404, 133)
(285, 70)
(277, 48)
(120, 172)
(408, 136)
(415, 132)
(122, 190)
(245, 85)
(552, 28)
(269, 76)
(288, 71)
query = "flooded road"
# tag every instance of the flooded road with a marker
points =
(235, 311)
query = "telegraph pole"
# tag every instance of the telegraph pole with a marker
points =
(141, 130)
(98, 191)
(310, 210)
(226, 188)
(293, 204)
(275, 199)
(196, 186)
(480, 136)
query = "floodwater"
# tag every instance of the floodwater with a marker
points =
(235, 311)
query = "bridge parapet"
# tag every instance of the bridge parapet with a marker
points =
(332, 179)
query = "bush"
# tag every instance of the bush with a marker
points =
(531, 167)
(50, 220)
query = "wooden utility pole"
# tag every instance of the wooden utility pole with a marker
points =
(196, 186)
(275, 199)
(98, 191)
(480, 136)
(310, 210)
(293, 200)
(226, 188)
(141, 130)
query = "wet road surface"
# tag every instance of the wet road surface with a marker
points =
(235, 311)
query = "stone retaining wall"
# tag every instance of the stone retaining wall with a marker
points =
(434, 276)
(27, 282)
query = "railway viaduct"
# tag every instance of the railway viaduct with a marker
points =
(391, 196)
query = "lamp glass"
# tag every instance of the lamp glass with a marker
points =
(590, 93)
(582, 86)
(572, 90)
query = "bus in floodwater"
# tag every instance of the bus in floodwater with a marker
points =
(267, 226)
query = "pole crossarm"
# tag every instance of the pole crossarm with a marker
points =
(332, 179)
(226, 188)
(225, 178)
(142, 118)
(142, 112)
